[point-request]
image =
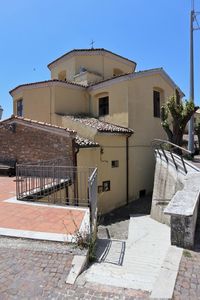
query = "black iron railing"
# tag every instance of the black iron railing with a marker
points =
(173, 154)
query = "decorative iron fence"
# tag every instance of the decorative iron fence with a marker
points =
(173, 154)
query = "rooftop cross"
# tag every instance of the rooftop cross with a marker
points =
(92, 44)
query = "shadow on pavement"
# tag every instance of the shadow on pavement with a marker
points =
(141, 206)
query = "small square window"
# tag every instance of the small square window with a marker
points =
(106, 186)
(115, 163)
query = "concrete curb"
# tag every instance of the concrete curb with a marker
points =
(163, 287)
(79, 262)
(37, 235)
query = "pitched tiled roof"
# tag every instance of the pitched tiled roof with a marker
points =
(90, 50)
(47, 81)
(80, 141)
(108, 79)
(30, 121)
(101, 126)
(127, 75)
(84, 142)
(137, 74)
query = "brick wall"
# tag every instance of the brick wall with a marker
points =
(31, 144)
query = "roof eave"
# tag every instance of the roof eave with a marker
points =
(46, 83)
(131, 62)
(125, 77)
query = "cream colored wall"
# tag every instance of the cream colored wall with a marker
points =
(70, 100)
(131, 105)
(146, 128)
(111, 64)
(43, 103)
(114, 148)
(38, 103)
(101, 64)
(67, 65)
(95, 63)
(141, 169)
(118, 103)
(141, 119)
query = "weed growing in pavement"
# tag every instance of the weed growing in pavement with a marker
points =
(187, 253)
(83, 240)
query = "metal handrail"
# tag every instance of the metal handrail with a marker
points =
(161, 142)
(158, 145)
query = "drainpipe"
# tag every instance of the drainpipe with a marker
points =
(50, 104)
(127, 169)
(75, 152)
(75, 175)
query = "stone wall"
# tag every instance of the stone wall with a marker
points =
(167, 181)
(175, 199)
(31, 144)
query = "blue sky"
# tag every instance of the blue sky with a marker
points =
(153, 33)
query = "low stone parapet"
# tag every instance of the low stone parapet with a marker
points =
(183, 209)
(175, 198)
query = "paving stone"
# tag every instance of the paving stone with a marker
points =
(35, 271)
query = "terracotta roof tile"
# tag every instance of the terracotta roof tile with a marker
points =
(101, 126)
(47, 81)
(80, 141)
(13, 117)
(110, 78)
(84, 142)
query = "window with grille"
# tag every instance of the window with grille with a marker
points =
(115, 163)
(20, 108)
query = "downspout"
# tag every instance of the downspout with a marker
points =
(75, 175)
(50, 103)
(127, 169)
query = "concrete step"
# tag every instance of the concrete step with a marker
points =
(145, 250)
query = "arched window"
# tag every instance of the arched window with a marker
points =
(62, 76)
(117, 72)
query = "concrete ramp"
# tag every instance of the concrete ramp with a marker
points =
(146, 248)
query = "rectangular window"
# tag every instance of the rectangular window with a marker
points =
(106, 186)
(115, 163)
(20, 108)
(103, 106)
(156, 104)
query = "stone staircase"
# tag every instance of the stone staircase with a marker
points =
(145, 255)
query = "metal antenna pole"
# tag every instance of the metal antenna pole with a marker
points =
(191, 122)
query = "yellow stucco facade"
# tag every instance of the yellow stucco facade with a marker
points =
(79, 81)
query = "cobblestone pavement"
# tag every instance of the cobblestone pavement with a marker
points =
(188, 280)
(38, 270)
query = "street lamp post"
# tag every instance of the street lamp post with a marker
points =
(1, 112)
(191, 122)
(193, 18)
